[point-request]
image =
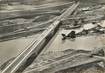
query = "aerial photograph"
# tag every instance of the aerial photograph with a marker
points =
(52, 36)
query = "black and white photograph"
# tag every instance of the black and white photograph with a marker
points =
(52, 36)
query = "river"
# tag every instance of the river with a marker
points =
(11, 48)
